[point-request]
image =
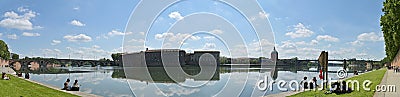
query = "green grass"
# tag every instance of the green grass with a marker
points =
(375, 77)
(17, 87)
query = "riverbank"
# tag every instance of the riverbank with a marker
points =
(374, 76)
(19, 87)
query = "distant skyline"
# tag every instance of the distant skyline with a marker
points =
(93, 30)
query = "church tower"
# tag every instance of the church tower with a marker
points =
(274, 55)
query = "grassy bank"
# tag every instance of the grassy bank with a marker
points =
(17, 87)
(375, 77)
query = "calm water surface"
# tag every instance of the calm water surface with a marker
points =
(133, 82)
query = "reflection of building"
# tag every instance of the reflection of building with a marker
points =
(170, 57)
(172, 74)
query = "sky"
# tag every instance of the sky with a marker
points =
(80, 29)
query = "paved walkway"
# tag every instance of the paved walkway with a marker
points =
(390, 78)
(8, 70)
(284, 94)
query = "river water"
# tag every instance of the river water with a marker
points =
(222, 81)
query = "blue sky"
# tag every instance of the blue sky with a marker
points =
(93, 30)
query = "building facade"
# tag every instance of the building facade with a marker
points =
(169, 58)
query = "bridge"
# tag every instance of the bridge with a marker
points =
(44, 62)
(342, 60)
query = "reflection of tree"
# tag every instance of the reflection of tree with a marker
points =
(118, 73)
(49, 71)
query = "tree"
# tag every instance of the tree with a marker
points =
(4, 53)
(14, 56)
(223, 60)
(390, 23)
(116, 56)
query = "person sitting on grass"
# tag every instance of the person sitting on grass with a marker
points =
(75, 86)
(2, 75)
(344, 88)
(335, 88)
(6, 77)
(338, 88)
(66, 87)
(304, 83)
(26, 75)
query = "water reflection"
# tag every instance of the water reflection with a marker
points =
(160, 75)
(182, 81)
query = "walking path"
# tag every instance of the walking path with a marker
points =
(8, 70)
(390, 78)
(290, 93)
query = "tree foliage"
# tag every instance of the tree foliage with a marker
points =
(14, 56)
(4, 53)
(116, 56)
(390, 23)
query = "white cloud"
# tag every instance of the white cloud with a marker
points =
(366, 37)
(175, 15)
(116, 32)
(176, 91)
(209, 37)
(136, 40)
(263, 15)
(141, 33)
(300, 31)
(314, 42)
(327, 38)
(356, 43)
(372, 36)
(95, 46)
(12, 36)
(77, 23)
(78, 38)
(217, 31)
(51, 51)
(22, 9)
(12, 14)
(175, 37)
(209, 46)
(55, 42)
(30, 34)
(93, 52)
(76, 8)
(21, 22)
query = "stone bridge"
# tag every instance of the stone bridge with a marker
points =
(43, 63)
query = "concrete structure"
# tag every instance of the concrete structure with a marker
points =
(169, 58)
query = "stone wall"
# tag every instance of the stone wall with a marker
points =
(396, 60)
